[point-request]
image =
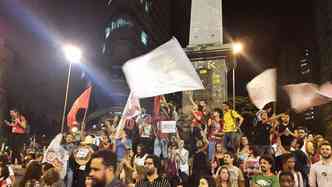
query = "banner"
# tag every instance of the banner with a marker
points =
(166, 69)
(306, 95)
(56, 155)
(263, 88)
(82, 102)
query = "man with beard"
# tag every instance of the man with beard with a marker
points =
(236, 176)
(102, 170)
(321, 172)
(267, 177)
(152, 179)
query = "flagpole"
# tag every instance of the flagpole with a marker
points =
(66, 98)
(84, 118)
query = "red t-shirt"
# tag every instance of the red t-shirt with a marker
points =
(197, 122)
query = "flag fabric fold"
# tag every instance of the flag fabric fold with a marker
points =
(82, 102)
(131, 110)
(263, 88)
(56, 155)
(166, 69)
(303, 96)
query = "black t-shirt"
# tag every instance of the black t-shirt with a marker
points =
(286, 139)
(262, 134)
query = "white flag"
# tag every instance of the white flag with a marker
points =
(56, 155)
(166, 69)
(306, 95)
(132, 109)
(263, 88)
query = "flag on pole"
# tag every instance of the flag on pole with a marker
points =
(263, 88)
(56, 155)
(166, 69)
(82, 102)
(306, 95)
(131, 110)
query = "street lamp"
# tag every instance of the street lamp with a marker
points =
(73, 54)
(237, 49)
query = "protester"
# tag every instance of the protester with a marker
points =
(267, 176)
(232, 122)
(4, 176)
(236, 175)
(223, 177)
(286, 179)
(288, 165)
(102, 170)
(33, 174)
(153, 179)
(321, 172)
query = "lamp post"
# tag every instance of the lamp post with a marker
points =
(73, 55)
(237, 49)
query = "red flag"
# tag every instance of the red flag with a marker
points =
(81, 102)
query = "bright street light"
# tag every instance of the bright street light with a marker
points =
(73, 54)
(237, 48)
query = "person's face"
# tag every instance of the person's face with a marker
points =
(265, 166)
(181, 144)
(225, 107)
(224, 175)
(264, 116)
(215, 114)
(301, 133)
(139, 150)
(98, 171)
(69, 138)
(286, 181)
(202, 103)
(203, 183)
(219, 148)
(325, 151)
(228, 159)
(291, 163)
(244, 140)
(104, 138)
(285, 118)
(150, 169)
(310, 137)
(13, 113)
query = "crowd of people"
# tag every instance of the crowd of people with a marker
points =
(212, 148)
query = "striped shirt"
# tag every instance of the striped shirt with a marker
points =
(158, 182)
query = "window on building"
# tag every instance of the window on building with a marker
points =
(144, 38)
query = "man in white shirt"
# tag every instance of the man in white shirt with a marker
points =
(183, 162)
(321, 172)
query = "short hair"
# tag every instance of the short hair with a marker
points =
(286, 174)
(286, 157)
(218, 110)
(51, 176)
(228, 103)
(231, 154)
(156, 161)
(109, 158)
(268, 158)
(325, 143)
(300, 142)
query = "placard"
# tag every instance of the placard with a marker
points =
(168, 126)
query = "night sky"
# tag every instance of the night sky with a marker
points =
(266, 28)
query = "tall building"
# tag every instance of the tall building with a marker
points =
(133, 28)
(323, 20)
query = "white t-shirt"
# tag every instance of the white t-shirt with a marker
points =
(183, 164)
